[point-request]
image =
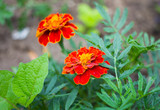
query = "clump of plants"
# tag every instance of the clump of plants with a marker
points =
(106, 75)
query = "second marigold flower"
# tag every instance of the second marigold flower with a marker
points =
(85, 63)
(53, 26)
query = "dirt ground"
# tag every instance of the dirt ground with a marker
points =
(12, 52)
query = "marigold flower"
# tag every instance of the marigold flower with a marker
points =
(85, 63)
(53, 26)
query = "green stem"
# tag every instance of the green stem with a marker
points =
(115, 68)
(64, 51)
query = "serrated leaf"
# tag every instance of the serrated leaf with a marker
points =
(58, 88)
(109, 29)
(152, 40)
(106, 98)
(71, 98)
(117, 44)
(107, 66)
(120, 86)
(116, 16)
(109, 76)
(103, 13)
(128, 72)
(150, 82)
(51, 84)
(146, 39)
(139, 35)
(123, 19)
(126, 106)
(94, 39)
(124, 53)
(112, 85)
(134, 34)
(104, 108)
(126, 103)
(133, 91)
(127, 28)
(103, 48)
(140, 82)
(88, 104)
(56, 104)
(155, 90)
(28, 81)
(106, 24)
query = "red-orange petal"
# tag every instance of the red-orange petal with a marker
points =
(43, 39)
(67, 32)
(68, 16)
(99, 60)
(71, 25)
(55, 36)
(92, 65)
(79, 69)
(82, 79)
(97, 71)
(107, 62)
(82, 51)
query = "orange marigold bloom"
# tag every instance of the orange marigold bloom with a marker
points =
(53, 26)
(85, 63)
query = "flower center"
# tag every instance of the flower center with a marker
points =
(84, 58)
(54, 22)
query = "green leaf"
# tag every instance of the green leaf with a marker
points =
(146, 39)
(88, 104)
(5, 81)
(124, 107)
(150, 82)
(72, 43)
(124, 53)
(104, 49)
(107, 66)
(51, 84)
(133, 91)
(109, 76)
(128, 72)
(152, 40)
(28, 81)
(139, 36)
(58, 88)
(117, 44)
(155, 90)
(112, 85)
(71, 98)
(128, 102)
(94, 38)
(140, 82)
(104, 108)
(106, 24)
(123, 19)
(7, 98)
(120, 86)
(127, 28)
(109, 29)
(4, 104)
(103, 12)
(116, 16)
(106, 98)
(56, 104)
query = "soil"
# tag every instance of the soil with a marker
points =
(12, 52)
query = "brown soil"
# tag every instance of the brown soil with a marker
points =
(12, 52)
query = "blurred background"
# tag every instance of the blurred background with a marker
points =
(19, 20)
